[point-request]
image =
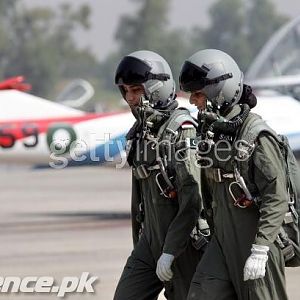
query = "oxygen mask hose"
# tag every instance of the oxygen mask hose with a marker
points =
(152, 117)
(204, 134)
(140, 112)
(211, 122)
(208, 121)
(230, 126)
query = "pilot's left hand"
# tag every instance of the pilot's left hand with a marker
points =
(255, 266)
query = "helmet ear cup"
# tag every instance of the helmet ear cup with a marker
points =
(153, 72)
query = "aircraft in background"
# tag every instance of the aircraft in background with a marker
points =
(37, 131)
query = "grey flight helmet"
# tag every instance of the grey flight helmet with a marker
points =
(151, 71)
(214, 73)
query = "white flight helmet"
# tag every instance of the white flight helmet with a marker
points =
(214, 73)
(150, 70)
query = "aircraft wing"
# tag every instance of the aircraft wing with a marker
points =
(274, 82)
(277, 65)
(16, 105)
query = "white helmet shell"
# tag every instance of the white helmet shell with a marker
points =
(214, 73)
(152, 71)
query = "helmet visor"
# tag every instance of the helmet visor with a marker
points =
(192, 77)
(132, 71)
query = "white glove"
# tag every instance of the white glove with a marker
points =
(255, 266)
(163, 267)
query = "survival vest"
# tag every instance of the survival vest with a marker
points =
(165, 144)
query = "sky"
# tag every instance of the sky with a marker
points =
(106, 13)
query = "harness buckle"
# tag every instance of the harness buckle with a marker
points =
(141, 172)
(218, 175)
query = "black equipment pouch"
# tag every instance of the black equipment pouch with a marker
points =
(288, 252)
(200, 242)
(200, 235)
(285, 245)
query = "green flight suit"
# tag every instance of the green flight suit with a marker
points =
(167, 224)
(219, 275)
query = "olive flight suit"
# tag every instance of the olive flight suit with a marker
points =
(166, 224)
(219, 275)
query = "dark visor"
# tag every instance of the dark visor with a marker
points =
(193, 78)
(132, 70)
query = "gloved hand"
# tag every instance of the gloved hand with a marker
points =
(163, 267)
(255, 266)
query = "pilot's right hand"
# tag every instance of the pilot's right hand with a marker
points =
(163, 267)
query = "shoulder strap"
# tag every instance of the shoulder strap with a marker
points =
(182, 116)
(177, 118)
(168, 132)
(254, 127)
(251, 129)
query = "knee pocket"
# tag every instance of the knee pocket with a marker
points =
(262, 288)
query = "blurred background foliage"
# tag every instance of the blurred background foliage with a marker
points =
(39, 42)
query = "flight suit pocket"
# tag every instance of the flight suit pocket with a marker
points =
(261, 288)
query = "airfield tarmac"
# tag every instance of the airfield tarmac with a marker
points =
(65, 222)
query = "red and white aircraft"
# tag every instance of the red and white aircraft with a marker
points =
(37, 131)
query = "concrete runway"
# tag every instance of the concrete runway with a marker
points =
(64, 222)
